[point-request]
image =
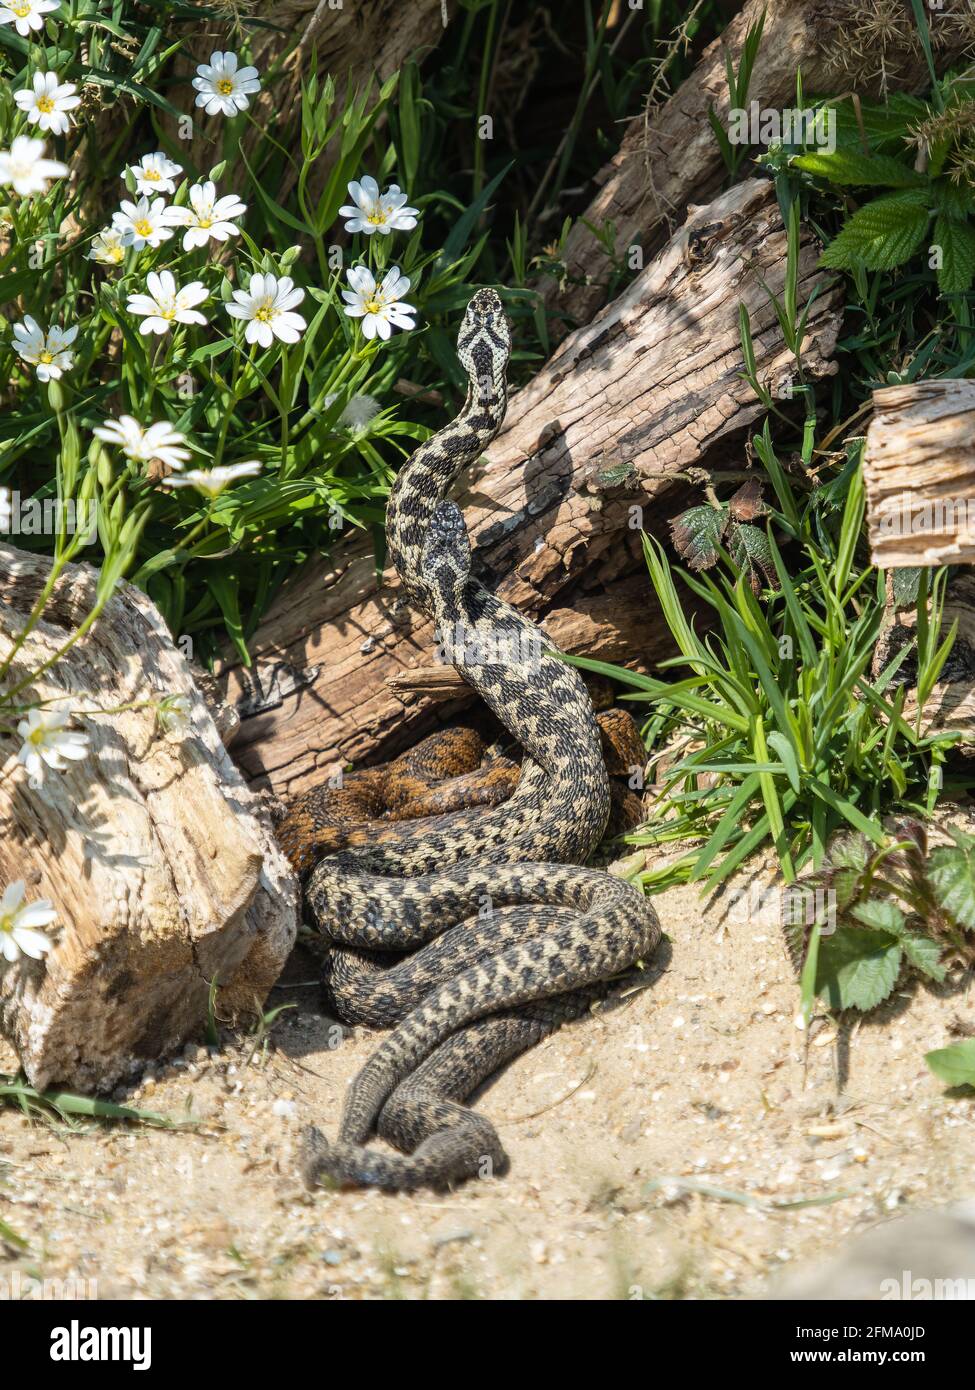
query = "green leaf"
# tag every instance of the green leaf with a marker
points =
(957, 242)
(880, 913)
(858, 968)
(696, 535)
(846, 167)
(924, 954)
(954, 1065)
(883, 234)
(951, 873)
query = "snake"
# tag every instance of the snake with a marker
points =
(474, 934)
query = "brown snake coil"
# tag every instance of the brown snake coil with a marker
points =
(506, 936)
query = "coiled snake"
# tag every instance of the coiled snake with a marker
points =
(507, 936)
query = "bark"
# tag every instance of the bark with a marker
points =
(162, 873)
(613, 422)
(669, 156)
(919, 471)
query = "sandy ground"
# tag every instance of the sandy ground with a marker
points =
(684, 1144)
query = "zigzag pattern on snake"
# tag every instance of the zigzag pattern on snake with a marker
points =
(507, 935)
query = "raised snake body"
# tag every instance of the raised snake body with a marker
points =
(507, 936)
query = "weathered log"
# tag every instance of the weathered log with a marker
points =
(163, 874)
(669, 156)
(919, 471)
(652, 387)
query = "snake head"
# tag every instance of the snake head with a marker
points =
(484, 344)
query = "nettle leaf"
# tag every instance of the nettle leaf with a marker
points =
(880, 913)
(924, 954)
(860, 170)
(905, 585)
(857, 968)
(954, 1065)
(850, 852)
(883, 234)
(697, 533)
(951, 873)
(750, 546)
(956, 241)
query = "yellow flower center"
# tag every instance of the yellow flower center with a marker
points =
(115, 253)
(36, 736)
(150, 175)
(45, 104)
(373, 306)
(21, 11)
(225, 86)
(168, 314)
(144, 228)
(45, 356)
(377, 218)
(266, 312)
(204, 222)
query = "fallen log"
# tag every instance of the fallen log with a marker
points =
(919, 472)
(669, 156)
(163, 875)
(626, 406)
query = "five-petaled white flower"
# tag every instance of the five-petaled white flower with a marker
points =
(167, 303)
(27, 14)
(379, 307)
(48, 740)
(378, 212)
(142, 443)
(25, 168)
(144, 223)
(222, 86)
(19, 922)
(266, 304)
(47, 103)
(213, 480)
(208, 216)
(47, 352)
(107, 247)
(154, 173)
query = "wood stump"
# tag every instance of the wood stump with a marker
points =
(162, 871)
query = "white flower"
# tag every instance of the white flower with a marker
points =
(48, 741)
(143, 443)
(266, 304)
(18, 922)
(48, 352)
(222, 86)
(166, 303)
(25, 167)
(107, 247)
(48, 102)
(144, 223)
(213, 480)
(378, 212)
(380, 308)
(207, 217)
(27, 14)
(154, 174)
